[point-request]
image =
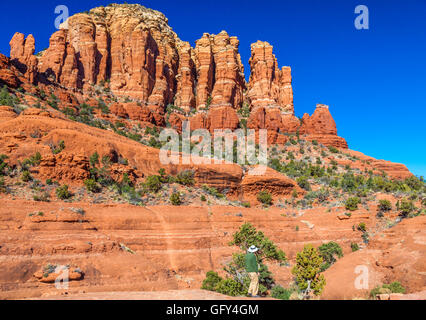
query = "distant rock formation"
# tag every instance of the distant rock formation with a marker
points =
(132, 51)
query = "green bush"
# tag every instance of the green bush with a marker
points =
(385, 205)
(333, 149)
(26, 176)
(352, 203)
(246, 204)
(308, 268)
(213, 191)
(211, 281)
(329, 251)
(362, 227)
(35, 160)
(7, 99)
(203, 198)
(175, 199)
(42, 197)
(280, 293)
(354, 246)
(406, 207)
(153, 184)
(2, 185)
(303, 183)
(63, 193)
(230, 287)
(59, 148)
(94, 159)
(92, 186)
(3, 164)
(247, 236)
(185, 178)
(394, 287)
(264, 197)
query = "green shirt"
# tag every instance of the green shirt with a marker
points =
(251, 262)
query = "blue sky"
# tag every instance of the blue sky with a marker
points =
(374, 80)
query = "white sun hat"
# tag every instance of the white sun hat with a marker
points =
(253, 249)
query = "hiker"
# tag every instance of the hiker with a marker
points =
(252, 269)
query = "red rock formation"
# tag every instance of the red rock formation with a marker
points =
(132, 111)
(220, 71)
(279, 185)
(269, 86)
(321, 127)
(185, 97)
(135, 50)
(7, 76)
(22, 55)
(222, 118)
(216, 118)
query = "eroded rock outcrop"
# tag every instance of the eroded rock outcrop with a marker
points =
(22, 55)
(269, 86)
(322, 128)
(132, 51)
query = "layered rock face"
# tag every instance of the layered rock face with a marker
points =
(321, 127)
(221, 73)
(269, 86)
(22, 55)
(132, 51)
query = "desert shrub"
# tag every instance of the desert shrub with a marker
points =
(92, 186)
(352, 203)
(63, 193)
(333, 149)
(26, 176)
(203, 198)
(244, 111)
(94, 159)
(175, 199)
(35, 160)
(264, 197)
(354, 246)
(247, 236)
(185, 178)
(406, 207)
(394, 287)
(59, 148)
(315, 142)
(7, 99)
(42, 197)
(230, 287)
(3, 164)
(211, 281)
(385, 205)
(303, 182)
(104, 108)
(414, 183)
(308, 268)
(246, 204)
(280, 293)
(154, 143)
(153, 184)
(213, 191)
(322, 195)
(2, 185)
(362, 227)
(329, 251)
